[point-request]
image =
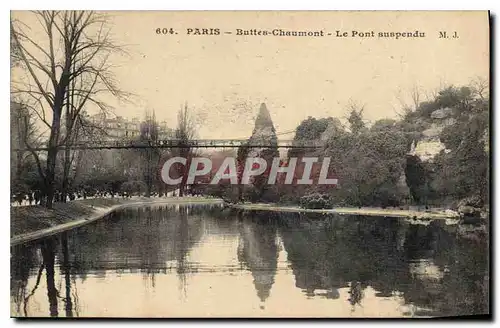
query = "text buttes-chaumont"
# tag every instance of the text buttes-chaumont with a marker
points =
(336, 33)
(278, 32)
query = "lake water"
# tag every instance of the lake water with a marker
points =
(204, 261)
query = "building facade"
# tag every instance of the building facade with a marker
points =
(118, 127)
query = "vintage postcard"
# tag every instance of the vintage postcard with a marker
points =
(250, 164)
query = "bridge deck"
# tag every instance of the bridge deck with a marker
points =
(172, 143)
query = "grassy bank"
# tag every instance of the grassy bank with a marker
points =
(32, 222)
(25, 219)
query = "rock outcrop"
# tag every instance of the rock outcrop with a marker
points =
(429, 145)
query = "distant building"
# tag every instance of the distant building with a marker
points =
(119, 127)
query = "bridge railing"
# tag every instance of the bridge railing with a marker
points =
(197, 143)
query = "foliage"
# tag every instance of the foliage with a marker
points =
(135, 186)
(312, 128)
(416, 178)
(264, 133)
(355, 119)
(462, 170)
(316, 201)
(371, 162)
(24, 175)
(368, 164)
(473, 201)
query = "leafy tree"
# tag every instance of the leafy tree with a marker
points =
(416, 178)
(308, 130)
(355, 119)
(369, 164)
(263, 134)
(312, 128)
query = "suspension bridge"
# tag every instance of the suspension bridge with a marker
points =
(175, 143)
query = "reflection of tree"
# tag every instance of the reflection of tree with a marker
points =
(222, 222)
(143, 239)
(75, 297)
(26, 299)
(454, 280)
(23, 260)
(181, 248)
(434, 270)
(66, 268)
(48, 253)
(329, 253)
(259, 252)
(151, 245)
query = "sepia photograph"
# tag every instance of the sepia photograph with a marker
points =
(250, 164)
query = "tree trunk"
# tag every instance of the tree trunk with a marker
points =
(67, 149)
(52, 154)
(50, 176)
(65, 179)
(19, 170)
(19, 155)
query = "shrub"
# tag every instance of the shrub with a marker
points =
(316, 201)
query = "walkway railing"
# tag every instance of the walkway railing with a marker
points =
(174, 143)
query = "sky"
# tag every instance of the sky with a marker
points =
(224, 78)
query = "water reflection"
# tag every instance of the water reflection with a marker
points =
(258, 251)
(207, 261)
(24, 261)
(66, 268)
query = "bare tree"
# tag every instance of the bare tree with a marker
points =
(83, 131)
(23, 130)
(408, 106)
(67, 70)
(150, 155)
(480, 88)
(184, 133)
